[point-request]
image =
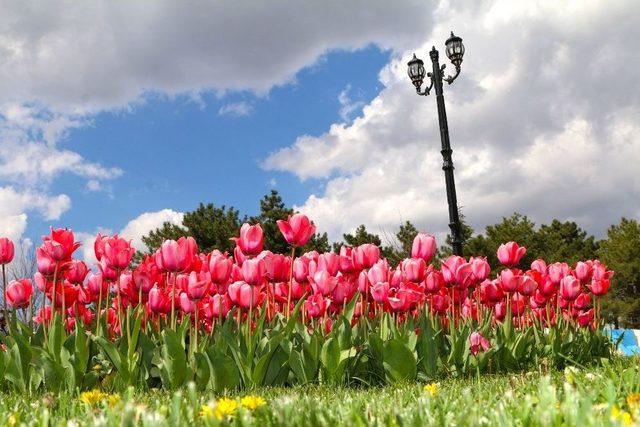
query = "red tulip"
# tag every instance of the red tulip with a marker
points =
(251, 239)
(60, 244)
(570, 288)
(297, 230)
(490, 292)
(6, 250)
(107, 271)
(346, 259)
(216, 306)
(144, 277)
(585, 318)
(478, 343)
(220, 268)
(244, 295)
(159, 302)
(414, 269)
(440, 303)
(546, 286)
(118, 252)
(424, 247)
(344, 290)
(19, 292)
(76, 272)
(526, 285)
(315, 305)
(278, 267)
(254, 271)
(582, 301)
(281, 291)
(511, 253)
(198, 285)
(600, 287)
(98, 245)
(96, 285)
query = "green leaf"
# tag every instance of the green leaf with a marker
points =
(399, 361)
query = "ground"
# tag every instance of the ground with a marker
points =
(604, 395)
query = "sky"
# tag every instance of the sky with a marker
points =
(118, 116)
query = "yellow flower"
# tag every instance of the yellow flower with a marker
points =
(97, 367)
(623, 416)
(633, 400)
(226, 408)
(431, 389)
(113, 399)
(92, 397)
(252, 402)
(12, 420)
(207, 411)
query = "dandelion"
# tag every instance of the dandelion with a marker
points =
(226, 408)
(92, 397)
(113, 399)
(622, 416)
(12, 420)
(207, 411)
(431, 389)
(252, 402)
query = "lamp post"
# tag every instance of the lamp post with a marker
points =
(455, 52)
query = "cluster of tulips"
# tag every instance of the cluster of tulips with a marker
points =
(177, 281)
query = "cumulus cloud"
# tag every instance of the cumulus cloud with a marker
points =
(63, 62)
(146, 222)
(543, 120)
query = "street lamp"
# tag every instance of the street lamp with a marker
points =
(455, 52)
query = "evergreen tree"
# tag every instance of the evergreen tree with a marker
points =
(620, 251)
(564, 241)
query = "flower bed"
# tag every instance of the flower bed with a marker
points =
(260, 319)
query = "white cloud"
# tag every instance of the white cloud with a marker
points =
(347, 105)
(541, 122)
(236, 109)
(146, 222)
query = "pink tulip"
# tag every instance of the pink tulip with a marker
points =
(176, 255)
(449, 268)
(187, 305)
(583, 271)
(244, 295)
(540, 266)
(379, 272)
(46, 264)
(329, 262)
(301, 269)
(19, 292)
(198, 285)
(143, 277)
(434, 282)
(557, 271)
(570, 288)
(118, 252)
(315, 305)
(96, 285)
(414, 269)
(98, 246)
(509, 280)
(511, 253)
(159, 302)
(344, 290)
(217, 306)
(478, 343)
(251, 239)
(323, 283)
(526, 285)
(490, 292)
(297, 230)
(480, 268)
(6, 250)
(380, 292)
(254, 271)
(440, 303)
(364, 256)
(424, 247)
(346, 259)
(220, 268)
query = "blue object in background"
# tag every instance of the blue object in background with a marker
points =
(628, 341)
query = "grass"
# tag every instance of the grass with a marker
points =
(604, 395)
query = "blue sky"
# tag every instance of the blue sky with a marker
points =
(178, 151)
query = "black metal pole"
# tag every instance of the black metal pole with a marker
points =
(447, 166)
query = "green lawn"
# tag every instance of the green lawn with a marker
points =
(603, 395)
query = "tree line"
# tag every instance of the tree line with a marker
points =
(564, 241)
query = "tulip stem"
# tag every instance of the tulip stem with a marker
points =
(98, 315)
(173, 301)
(4, 293)
(293, 255)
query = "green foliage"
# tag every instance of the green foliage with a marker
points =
(621, 252)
